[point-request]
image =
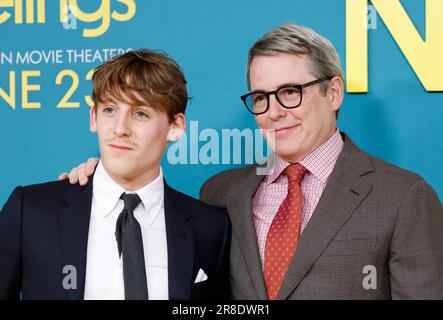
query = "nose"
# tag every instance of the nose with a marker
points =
(276, 110)
(122, 126)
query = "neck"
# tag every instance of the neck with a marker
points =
(138, 181)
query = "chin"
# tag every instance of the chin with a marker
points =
(287, 145)
(287, 152)
(118, 168)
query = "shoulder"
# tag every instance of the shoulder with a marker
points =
(52, 190)
(214, 190)
(377, 171)
(48, 187)
(196, 207)
(228, 177)
(39, 202)
(401, 184)
(392, 178)
(392, 186)
(45, 195)
(393, 173)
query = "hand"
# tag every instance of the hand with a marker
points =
(81, 173)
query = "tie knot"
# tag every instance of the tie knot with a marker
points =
(130, 200)
(295, 173)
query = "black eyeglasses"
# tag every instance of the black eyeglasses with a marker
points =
(289, 96)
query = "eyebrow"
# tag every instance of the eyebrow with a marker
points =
(288, 84)
(112, 100)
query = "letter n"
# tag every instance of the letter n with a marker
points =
(424, 56)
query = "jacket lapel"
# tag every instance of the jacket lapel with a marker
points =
(239, 205)
(180, 245)
(341, 197)
(74, 230)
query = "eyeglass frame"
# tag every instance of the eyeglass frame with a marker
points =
(267, 94)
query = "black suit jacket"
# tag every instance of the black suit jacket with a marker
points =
(44, 228)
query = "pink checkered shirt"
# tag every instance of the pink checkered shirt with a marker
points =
(274, 188)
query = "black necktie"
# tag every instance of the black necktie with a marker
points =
(130, 244)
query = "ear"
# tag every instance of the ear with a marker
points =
(336, 93)
(93, 119)
(177, 127)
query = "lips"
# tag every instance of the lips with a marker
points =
(284, 130)
(120, 146)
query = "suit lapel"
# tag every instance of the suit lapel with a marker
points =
(74, 230)
(239, 205)
(180, 246)
(341, 197)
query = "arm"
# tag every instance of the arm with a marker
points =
(11, 246)
(416, 261)
(80, 173)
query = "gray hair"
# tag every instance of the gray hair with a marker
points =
(294, 39)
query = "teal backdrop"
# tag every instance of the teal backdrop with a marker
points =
(397, 120)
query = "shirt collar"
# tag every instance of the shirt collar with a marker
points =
(107, 193)
(319, 163)
(152, 196)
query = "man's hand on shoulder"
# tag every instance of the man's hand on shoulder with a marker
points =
(81, 173)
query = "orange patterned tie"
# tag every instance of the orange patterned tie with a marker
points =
(282, 237)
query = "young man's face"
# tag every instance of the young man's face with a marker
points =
(297, 131)
(133, 140)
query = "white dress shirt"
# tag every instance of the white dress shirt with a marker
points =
(104, 268)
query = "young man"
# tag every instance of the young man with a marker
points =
(330, 221)
(126, 234)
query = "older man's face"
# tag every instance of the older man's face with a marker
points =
(297, 131)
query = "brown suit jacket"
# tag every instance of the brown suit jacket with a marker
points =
(371, 213)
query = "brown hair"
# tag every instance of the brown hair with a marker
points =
(145, 77)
